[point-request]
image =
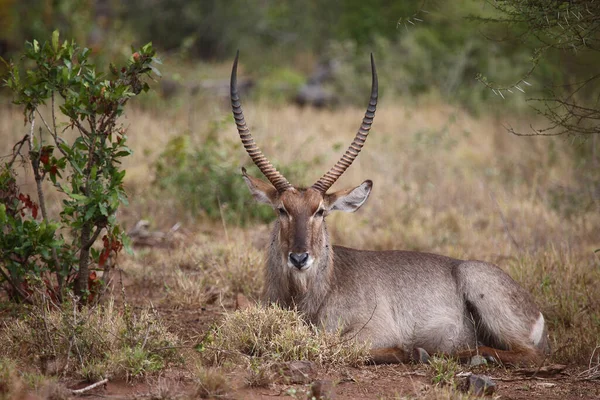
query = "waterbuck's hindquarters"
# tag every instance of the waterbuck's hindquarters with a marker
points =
(401, 301)
(504, 314)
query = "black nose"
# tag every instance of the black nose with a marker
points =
(299, 259)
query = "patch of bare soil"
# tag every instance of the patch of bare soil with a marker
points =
(366, 382)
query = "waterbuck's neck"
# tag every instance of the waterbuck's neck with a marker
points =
(303, 290)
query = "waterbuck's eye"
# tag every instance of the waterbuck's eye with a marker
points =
(282, 212)
(320, 213)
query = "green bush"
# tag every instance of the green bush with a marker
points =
(85, 171)
(207, 180)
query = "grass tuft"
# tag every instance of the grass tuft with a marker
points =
(16, 385)
(11, 384)
(444, 370)
(90, 343)
(274, 334)
(210, 383)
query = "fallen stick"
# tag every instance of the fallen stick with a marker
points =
(92, 386)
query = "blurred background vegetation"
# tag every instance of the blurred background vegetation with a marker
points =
(422, 47)
(472, 54)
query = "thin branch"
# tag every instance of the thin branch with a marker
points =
(20, 144)
(53, 133)
(90, 242)
(90, 387)
(23, 295)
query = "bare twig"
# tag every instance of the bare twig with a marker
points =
(90, 387)
(52, 132)
(348, 339)
(18, 146)
(593, 372)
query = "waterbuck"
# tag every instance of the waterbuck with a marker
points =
(406, 304)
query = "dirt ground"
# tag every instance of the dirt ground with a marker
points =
(402, 381)
(366, 382)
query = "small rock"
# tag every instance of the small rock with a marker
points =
(322, 390)
(297, 372)
(480, 385)
(477, 360)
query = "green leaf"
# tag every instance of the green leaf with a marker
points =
(2, 213)
(36, 46)
(89, 213)
(78, 197)
(127, 244)
(93, 172)
(123, 153)
(103, 209)
(55, 35)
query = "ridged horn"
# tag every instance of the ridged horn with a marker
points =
(327, 180)
(276, 179)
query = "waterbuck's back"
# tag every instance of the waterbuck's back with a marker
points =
(410, 299)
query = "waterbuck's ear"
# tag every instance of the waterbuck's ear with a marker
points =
(263, 192)
(349, 200)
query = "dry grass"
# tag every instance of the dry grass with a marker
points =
(11, 384)
(443, 393)
(210, 383)
(15, 385)
(89, 343)
(202, 270)
(444, 182)
(273, 334)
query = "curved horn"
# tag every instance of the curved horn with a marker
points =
(327, 180)
(278, 180)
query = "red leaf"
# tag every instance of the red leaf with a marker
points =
(103, 257)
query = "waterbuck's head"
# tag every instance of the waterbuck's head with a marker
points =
(300, 228)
